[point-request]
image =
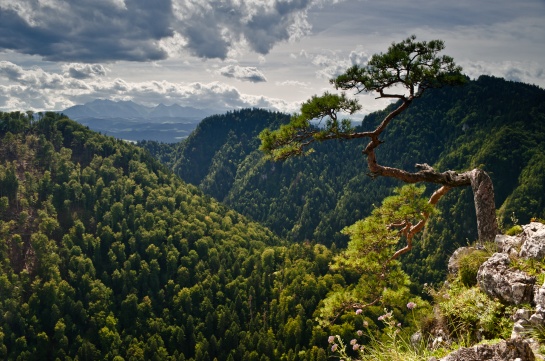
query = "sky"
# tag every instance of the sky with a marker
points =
(229, 54)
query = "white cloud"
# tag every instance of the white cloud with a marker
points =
(35, 78)
(333, 64)
(36, 89)
(527, 72)
(250, 73)
(293, 83)
(84, 71)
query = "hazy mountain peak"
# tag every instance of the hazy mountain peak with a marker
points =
(127, 109)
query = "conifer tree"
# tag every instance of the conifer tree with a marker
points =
(404, 73)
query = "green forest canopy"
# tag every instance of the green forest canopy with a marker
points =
(105, 254)
(489, 122)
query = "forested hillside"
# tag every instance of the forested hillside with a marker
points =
(490, 123)
(106, 255)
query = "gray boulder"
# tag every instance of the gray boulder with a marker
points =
(522, 326)
(502, 351)
(510, 286)
(539, 299)
(508, 244)
(454, 260)
(533, 238)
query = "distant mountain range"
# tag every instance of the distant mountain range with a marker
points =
(106, 109)
(131, 121)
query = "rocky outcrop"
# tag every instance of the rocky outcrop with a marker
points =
(498, 280)
(514, 286)
(527, 320)
(539, 299)
(533, 241)
(454, 260)
(508, 244)
(505, 350)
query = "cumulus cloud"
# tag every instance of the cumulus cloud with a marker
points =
(527, 72)
(94, 31)
(86, 30)
(35, 78)
(293, 83)
(84, 71)
(250, 73)
(213, 28)
(37, 89)
(333, 64)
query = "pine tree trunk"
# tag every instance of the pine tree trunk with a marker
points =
(483, 195)
(478, 179)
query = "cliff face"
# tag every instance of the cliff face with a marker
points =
(501, 276)
(510, 276)
(505, 350)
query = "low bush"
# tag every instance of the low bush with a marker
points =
(468, 266)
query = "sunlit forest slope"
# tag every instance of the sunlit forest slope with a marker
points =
(490, 123)
(105, 254)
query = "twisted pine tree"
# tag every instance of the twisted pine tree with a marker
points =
(406, 71)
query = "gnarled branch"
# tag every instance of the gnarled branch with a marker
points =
(409, 231)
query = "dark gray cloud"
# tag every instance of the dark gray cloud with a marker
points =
(213, 28)
(95, 31)
(243, 73)
(86, 30)
(266, 28)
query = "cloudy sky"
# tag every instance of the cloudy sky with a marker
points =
(228, 54)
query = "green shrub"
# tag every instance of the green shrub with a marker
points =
(531, 266)
(515, 230)
(470, 311)
(468, 266)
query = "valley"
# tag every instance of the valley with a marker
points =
(203, 249)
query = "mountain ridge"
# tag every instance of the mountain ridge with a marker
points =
(132, 121)
(490, 122)
(105, 109)
(106, 254)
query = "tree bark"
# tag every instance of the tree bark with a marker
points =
(481, 184)
(478, 179)
(483, 196)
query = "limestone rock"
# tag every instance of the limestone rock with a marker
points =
(510, 286)
(520, 327)
(539, 299)
(502, 351)
(453, 262)
(533, 238)
(522, 314)
(416, 339)
(508, 244)
(536, 319)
